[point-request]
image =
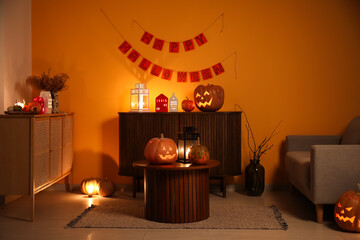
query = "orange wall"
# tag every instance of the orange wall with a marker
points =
(297, 61)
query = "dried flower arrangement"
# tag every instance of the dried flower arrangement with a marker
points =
(256, 151)
(48, 83)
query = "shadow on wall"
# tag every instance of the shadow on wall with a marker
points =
(280, 175)
(110, 145)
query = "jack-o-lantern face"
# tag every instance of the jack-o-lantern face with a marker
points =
(347, 211)
(209, 98)
(167, 152)
(161, 151)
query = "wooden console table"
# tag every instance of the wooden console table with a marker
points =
(176, 193)
(220, 132)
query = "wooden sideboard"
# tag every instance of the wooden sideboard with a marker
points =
(36, 151)
(220, 132)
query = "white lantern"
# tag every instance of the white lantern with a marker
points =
(139, 98)
(173, 106)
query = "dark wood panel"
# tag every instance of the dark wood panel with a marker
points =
(220, 132)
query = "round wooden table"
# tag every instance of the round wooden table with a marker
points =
(176, 193)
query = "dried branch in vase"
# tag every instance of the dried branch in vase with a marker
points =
(256, 151)
(46, 82)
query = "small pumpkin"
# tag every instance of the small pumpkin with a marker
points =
(188, 105)
(347, 211)
(199, 154)
(106, 188)
(90, 186)
(161, 151)
(209, 98)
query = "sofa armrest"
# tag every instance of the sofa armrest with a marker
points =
(304, 142)
(334, 169)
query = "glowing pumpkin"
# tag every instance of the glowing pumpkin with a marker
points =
(199, 155)
(209, 98)
(90, 186)
(161, 151)
(347, 211)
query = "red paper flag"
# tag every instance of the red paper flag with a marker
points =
(133, 56)
(194, 76)
(218, 69)
(181, 76)
(156, 70)
(206, 74)
(158, 44)
(144, 64)
(200, 39)
(146, 38)
(174, 47)
(189, 45)
(124, 47)
(166, 74)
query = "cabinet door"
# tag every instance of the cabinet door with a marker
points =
(68, 126)
(41, 152)
(55, 146)
(135, 130)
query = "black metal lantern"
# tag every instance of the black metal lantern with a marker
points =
(186, 140)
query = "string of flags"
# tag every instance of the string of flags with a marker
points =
(174, 46)
(165, 73)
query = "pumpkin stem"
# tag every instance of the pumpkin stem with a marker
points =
(162, 135)
(187, 98)
(198, 141)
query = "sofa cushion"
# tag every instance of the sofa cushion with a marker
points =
(297, 164)
(352, 132)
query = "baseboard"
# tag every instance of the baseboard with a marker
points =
(213, 187)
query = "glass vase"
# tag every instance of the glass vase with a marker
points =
(255, 178)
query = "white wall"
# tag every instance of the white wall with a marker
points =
(15, 51)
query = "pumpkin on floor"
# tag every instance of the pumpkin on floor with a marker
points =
(90, 186)
(347, 211)
(106, 188)
(199, 154)
(161, 151)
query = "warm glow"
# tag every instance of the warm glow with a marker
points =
(90, 202)
(22, 104)
(91, 187)
(187, 153)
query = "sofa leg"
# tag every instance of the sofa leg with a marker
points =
(319, 213)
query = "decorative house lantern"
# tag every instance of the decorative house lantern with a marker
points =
(139, 98)
(173, 106)
(161, 103)
(186, 140)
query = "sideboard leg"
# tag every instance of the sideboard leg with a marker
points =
(134, 187)
(224, 186)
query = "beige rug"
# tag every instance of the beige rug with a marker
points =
(131, 216)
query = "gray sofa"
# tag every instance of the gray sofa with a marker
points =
(324, 167)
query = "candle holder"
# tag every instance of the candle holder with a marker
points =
(186, 140)
(139, 98)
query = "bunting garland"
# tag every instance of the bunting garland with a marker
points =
(188, 45)
(166, 74)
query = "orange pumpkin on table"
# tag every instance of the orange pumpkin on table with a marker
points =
(161, 151)
(199, 155)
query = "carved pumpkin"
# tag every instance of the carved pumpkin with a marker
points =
(161, 151)
(347, 211)
(199, 155)
(209, 98)
(90, 186)
(106, 188)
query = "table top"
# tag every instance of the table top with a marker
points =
(176, 166)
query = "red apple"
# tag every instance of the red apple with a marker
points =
(188, 105)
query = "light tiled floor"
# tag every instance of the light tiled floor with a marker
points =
(54, 209)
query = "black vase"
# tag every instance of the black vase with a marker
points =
(255, 178)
